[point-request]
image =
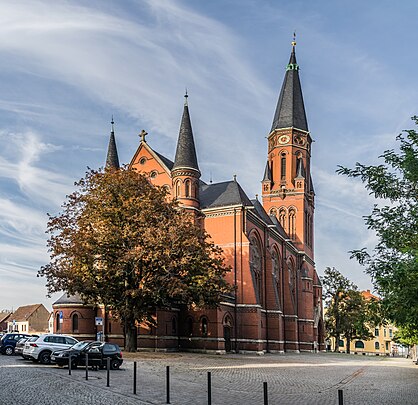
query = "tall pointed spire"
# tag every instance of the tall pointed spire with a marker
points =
(186, 157)
(290, 110)
(112, 160)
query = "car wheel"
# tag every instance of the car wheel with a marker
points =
(9, 350)
(114, 364)
(45, 358)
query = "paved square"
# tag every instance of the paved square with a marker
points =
(236, 379)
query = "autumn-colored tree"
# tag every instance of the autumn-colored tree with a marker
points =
(119, 242)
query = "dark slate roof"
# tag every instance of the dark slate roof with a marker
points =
(186, 152)
(290, 110)
(69, 299)
(279, 227)
(112, 159)
(169, 164)
(311, 187)
(267, 173)
(222, 195)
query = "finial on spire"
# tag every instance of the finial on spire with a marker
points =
(235, 177)
(294, 40)
(185, 98)
(143, 134)
(112, 122)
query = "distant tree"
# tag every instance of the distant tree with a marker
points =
(393, 264)
(119, 242)
(406, 336)
(347, 313)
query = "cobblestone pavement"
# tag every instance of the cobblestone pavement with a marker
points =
(236, 379)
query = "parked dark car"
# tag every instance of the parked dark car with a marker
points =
(98, 352)
(8, 342)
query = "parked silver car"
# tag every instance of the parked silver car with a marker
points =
(41, 349)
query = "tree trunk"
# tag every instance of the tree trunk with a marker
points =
(348, 341)
(130, 335)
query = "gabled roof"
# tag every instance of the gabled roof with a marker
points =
(222, 195)
(186, 152)
(290, 110)
(4, 316)
(168, 163)
(23, 313)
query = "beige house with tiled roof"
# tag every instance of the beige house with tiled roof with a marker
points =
(29, 319)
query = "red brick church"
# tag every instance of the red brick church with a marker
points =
(269, 244)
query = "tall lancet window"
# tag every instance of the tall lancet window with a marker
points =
(282, 218)
(187, 188)
(283, 166)
(292, 224)
(177, 188)
(256, 267)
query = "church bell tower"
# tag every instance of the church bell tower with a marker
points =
(287, 188)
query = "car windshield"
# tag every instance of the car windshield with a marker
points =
(32, 339)
(80, 345)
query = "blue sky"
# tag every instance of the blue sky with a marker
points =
(67, 66)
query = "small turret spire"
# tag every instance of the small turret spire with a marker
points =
(112, 159)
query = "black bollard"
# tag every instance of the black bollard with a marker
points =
(266, 398)
(69, 365)
(209, 388)
(168, 384)
(134, 377)
(340, 397)
(87, 366)
(108, 371)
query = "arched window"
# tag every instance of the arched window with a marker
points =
(173, 325)
(359, 344)
(273, 212)
(276, 274)
(187, 188)
(256, 267)
(204, 326)
(177, 188)
(57, 322)
(376, 345)
(283, 166)
(292, 224)
(282, 218)
(75, 323)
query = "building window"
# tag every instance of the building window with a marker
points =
(142, 161)
(292, 224)
(376, 332)
(153, 174)
(187, 188)
(359, 344)
(282, 218)
(57, 322)
(256, 267)
(341, 343)
(283, 167)
(376, 345)
(384, 332)
(177, 189)
(387, 346)
(75, 323)
(204, 326)
(390, 333)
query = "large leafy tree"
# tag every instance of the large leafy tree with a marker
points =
(347, 313)
(393, 264)
(119, 242)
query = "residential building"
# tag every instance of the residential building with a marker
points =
(29, 319)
